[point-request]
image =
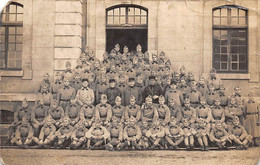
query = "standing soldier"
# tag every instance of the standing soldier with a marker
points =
(38, 114)
(47, 134)
(201, 87)
(79, 68)
(163, 112)
(101, 88)
(78, 138)
(131, 134)
(223, 97)
(174, 94)
(106, 62)
(194, 95)
(190, 79)
(147, 57)
(146, 71)
(203, 112)
(174, 134)
(87, 72)
(133, 110)
(112, 74)
(84, 93)
(116, 135)
(202, 133)
(112, 92)
(57, 113)
(96, 68)
(183, 87)
(233, 110)
(103, 72)
(211, 95)
(87, 114)
(154, 63)
(175, 110)
(149, 111)
(162, 59)
(238, 96)
(76, 81)
(97, 135)
(103, 110)
(45, 95)
(122, 86)
(153, 90)
(63, 134)
(68, 74)
(156, 134)
(214, 80)
(183, 74)
(57, 85)
(73, 111)
(132, 90)
(139, 83)
(217, 113)
(45, 83)
(252, 116)
(65, 94)
(118, 110)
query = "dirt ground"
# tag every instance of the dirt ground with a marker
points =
(76, 157)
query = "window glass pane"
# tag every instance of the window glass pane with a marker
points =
(224, 58)
(216, 57)
(217, 33)
(19, 9)
(4, 10)
(137, 11)
(216, 21)
(223, 49)
(2, 60)
(2, 47)
(242, 12)
(19, 38)
(242, 57)
(18, 63)
(234, 41)
(216, 65)
(234, 12)
(130, 11)
(234, 57)
(242, 41)
(224, 12)
(11, 55)
(2, 30)
(11, 30)
(224, 41)
(12, 9)
(12, 17)
(224, 34)
(11, 63)
(143, 12)
(143, 20)
(122, 20)
(109, 20)
(110, 12)
(242, 49)
(223, 66)
(11, 39)
(131, 20)
(234, 21)
(116, 11)
(116, 20)
(122, 12)
(242, 21)
(2, 39)
(234, 66)
(216, 49)
(234, 49)
(242, 65)
(19, 47)
(19, 30)
(137, 20)
(3, 17)
(223, 20)
(216, 12)
(11, 47)
(19, 17)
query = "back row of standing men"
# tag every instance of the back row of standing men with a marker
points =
(128, 85)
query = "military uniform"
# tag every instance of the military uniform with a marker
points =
(149, 112)
(144, 142)
(118, 111)
(57, 114)
(63, 135)
(174, 135)
(219, 136)
(175, 95)
(211, 97)
(223, 99)
(134, 111)
(38, 114)
(163, 114)
(252, 112)
(188, 132)
(153, 90)
(65, 94)
(194, 97)
(103, 112)
(73, 112)
(214, 79)
(78, 137)
(101, 88)
(202, 132)
(24, 134)
(46, 96)
(57, 85)
(132, 91)
(201, 86)
(189, 113)
(83, 94)
(131, 135)
(112, 93)
(231, 111)
(68, 74)
(204, 112)
(155, 135)
(76, 82)
(87, 115)
(175, 111)
(218, 114)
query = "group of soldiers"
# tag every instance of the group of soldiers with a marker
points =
(127, 101)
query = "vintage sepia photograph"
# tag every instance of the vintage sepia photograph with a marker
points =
(111, 82)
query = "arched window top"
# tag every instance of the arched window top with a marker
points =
(127, 15)
(230, 15)
(13, 12)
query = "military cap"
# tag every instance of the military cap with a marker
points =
(149, 98)
(66, 118)
(118, 98)
(84, 79)
(76, 74)
(117, 45)
(232, 97)
(186, 101)
(114, 118)
(172, 118)
(203, 99)
(154, 55)
(193, 83)
(161, 97)
(168, 62)
(113, 51)
(182, 68)
(162, 53)
(131, 79)
(57, 74)
(105, 54)
(132, 118)
(236, 87)
(66, 79)
(125, 47)
(217, 99)
(138, 46)
(25, 100)
(200, 120)
(68, 64)
(46, 74)
(132, 97)
(235, 118)
(112, 80)
(103, 97)
(222, 87)
(213, 70)
(151, 77)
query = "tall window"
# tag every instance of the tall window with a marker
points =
(230, 48)
(11, 33)
(127, 16)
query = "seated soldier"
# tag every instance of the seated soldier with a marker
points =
(57, 113)
(87, 113)
(175, 110)
(188, 112)
(194, 95)
(204, 112)
(84, 93)
(63, 134)
(103, 111)
(73, 111)
(240, 135)
(155, 135)
(47, 134)
(112, 92)
(132, 110)
(219, 136)
(173, 134)
(163, 112)
(39, 113)
(188, 132)
(217, 113)
(183, 87)
(223, 97)
(201, 86)
(22, 111)
(144, 142)
(231, 111)
(78, 138)
(132, 90)
(24, 134)
(101, 88)
(174, 94)
(132, 134)
(116, 135)
(97, 135)
(149, 111)
(118, 110)
(211, 95)
(202, 134)
(57, 84)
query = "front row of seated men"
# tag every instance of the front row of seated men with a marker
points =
(150, 126)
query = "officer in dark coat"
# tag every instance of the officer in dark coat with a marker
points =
(153, 89)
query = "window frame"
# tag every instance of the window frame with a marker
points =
(229, 29)
(7, 24)
(127, 25)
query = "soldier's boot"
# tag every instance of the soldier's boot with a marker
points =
(136, 146)
(120, 146)
(188, 147)
(109, 147)
(206, 148)
(47, 146)
(72, 146)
